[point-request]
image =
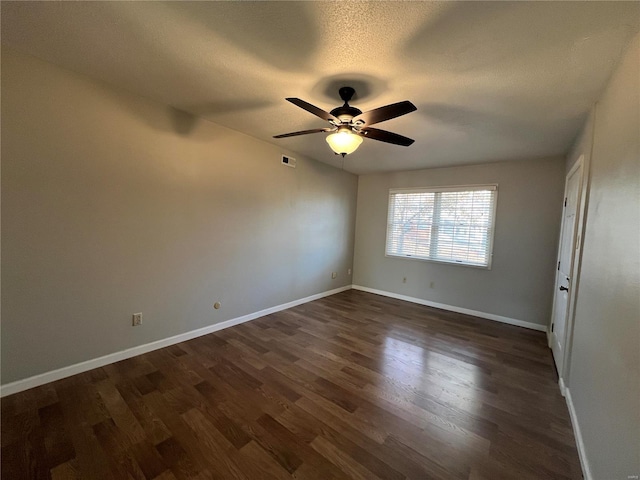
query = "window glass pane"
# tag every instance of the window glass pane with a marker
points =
(449, 225)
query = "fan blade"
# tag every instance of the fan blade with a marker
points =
(318, 112)
(303, 132)
(384, 136)
(385, 113)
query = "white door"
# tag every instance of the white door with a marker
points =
(567, 248)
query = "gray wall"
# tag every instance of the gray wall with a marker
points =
(112, 204)
(605, 360)
(520, 282)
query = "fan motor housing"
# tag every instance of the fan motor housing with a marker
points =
(346, 113)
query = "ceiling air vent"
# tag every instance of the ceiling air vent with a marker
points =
(288, 161)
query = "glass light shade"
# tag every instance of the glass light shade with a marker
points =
(344, 142)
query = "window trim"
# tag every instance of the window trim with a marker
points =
(449, 188)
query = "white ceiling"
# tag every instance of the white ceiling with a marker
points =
(492, 80)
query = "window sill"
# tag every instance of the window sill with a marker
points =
(445, 262)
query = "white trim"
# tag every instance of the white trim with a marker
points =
(466, 311)
(575, 249)
(52, 376)
(436, 209)
(492, 187)
(581, 212)
(563, 388)
(578, 164)
(446, 262)
(582, 453)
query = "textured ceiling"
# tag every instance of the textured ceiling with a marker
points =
(492, 80)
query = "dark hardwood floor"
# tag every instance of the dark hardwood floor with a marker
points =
(353, 386)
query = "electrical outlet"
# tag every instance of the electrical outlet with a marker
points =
(334, 274)
(136, 319)
(348, 271)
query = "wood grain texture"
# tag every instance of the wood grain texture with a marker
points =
(352, 386)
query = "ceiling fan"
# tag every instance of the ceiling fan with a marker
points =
(349, 125)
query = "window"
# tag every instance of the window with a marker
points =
(448, 224)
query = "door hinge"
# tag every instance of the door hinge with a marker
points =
(552, 326)
(558, 266)
(565, 201)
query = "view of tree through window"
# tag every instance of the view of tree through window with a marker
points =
(453, 224)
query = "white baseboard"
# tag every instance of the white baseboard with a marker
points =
(52, 376)
(586, 471)
(563, 388)
(466, 311)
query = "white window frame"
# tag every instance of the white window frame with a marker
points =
(455, 188)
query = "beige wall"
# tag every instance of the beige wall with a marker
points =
(520, 282)
(112, 204)
(604, 379)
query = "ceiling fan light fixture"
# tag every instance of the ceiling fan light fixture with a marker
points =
(349, 125)
(344, 142)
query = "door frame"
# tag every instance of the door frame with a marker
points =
(573, 269)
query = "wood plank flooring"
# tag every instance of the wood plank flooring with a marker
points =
(352, 386)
